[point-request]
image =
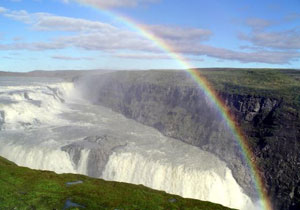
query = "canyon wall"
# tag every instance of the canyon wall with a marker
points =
(175, 105)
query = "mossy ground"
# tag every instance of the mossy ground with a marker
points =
(274, 83)
(23, 188)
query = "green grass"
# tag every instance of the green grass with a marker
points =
(274, 83)
(23, 188)
(280, 84)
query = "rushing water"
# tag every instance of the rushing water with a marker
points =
(46, 125)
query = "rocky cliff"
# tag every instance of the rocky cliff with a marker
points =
(273, 128)
(174, 104)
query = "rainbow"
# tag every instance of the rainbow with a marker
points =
(209, 91)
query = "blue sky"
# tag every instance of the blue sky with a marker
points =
(86, 34)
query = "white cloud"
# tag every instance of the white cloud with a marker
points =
(260, 37)
(179, 33)
(147, 56)
(49, 22)
(112, 3)
(271, 57)
(292, 17)
(34, 46)
(143, 56)
(20, 15)
(277, 40)
(264, 56)
(70, 58)
(122, 40)
(100, 36)
(259, 56)
(3, 10)
(18, 38)
(258, 23)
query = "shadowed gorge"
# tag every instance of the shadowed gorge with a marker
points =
(268, 113)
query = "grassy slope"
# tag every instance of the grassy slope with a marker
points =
(274, 83)
(23, 188)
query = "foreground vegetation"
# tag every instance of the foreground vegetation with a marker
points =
(23, 188)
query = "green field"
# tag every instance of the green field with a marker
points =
(275, 83)
(23, 188)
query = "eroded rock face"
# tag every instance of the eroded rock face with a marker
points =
(97, 150)
(275, 134)
(184, 112)
(250, 108)
(2, 119)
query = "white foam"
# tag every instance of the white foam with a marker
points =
(32, 106)
(215, 184)
(39, 157)
(83, 162)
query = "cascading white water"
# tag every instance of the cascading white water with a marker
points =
(38, 157)
(33, 105)
(209, 179)
(83, 162)
(45, 127)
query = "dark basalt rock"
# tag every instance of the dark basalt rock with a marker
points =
(99, 149)
(2, 119)
(74, 183)
(97, 157)
(69, 204)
